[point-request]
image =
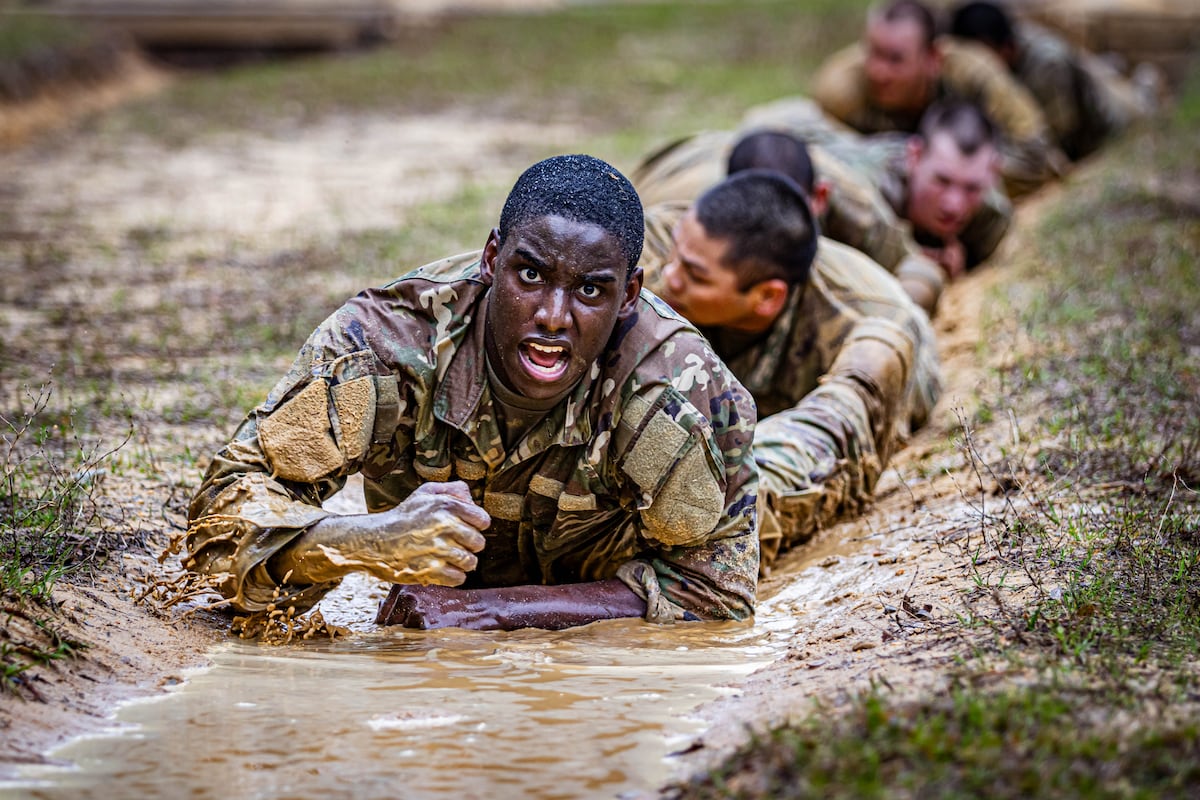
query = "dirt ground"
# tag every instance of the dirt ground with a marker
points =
(884, 579)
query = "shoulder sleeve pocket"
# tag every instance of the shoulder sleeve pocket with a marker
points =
(297, 438)
(682, 497)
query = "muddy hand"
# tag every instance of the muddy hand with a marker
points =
(432, 537)
(952, 257)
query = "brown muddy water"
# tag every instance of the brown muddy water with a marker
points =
(595, 711)
(441, 714)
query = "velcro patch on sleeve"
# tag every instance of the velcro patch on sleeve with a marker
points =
(297, 437)
(689, 505)
(387, 408)
(354, 402)
(683, 496)
(656, 450)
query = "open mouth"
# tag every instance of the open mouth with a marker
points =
(546, 362)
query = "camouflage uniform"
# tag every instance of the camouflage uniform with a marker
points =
(642, 472)
(846, 372)
(857, 214)
(1084, 100)
(970, 72)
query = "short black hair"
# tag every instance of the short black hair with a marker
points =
(767, 222)
(965, 122)
(913, 10)
(983, 22)
(580, 188)
(775, 150)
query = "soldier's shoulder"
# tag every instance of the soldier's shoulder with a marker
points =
(838, 86)
(1042, 44)
(854, 278)
(969, 64)
(461, 267)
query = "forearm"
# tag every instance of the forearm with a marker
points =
(564, 606)
(510, 608)
(316, 555)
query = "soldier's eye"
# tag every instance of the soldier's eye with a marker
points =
(590, 290)
(529, 274)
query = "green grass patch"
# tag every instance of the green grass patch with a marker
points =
(1025, 743)
(25, 32)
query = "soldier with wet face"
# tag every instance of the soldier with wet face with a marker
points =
(838, 358)
(886, 82)
(530, 427)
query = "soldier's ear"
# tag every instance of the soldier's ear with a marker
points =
(997, 166)
(767, 298)
(487, 261)
(820, 198)
(934, 59)
(633, 287)
(914, 148)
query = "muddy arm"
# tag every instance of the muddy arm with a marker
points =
(549, 607)
(821, 459)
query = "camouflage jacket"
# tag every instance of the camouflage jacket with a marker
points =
(857, 214)
(846, 372)
(845, 288)
(1084, 101)
(645, 468)
(970, 72)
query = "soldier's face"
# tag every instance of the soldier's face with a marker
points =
(558, 289)
(900, 69)
(946, 187)
(696, 282)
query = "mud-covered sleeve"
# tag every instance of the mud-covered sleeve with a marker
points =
(820, 460)
(332, 412)
(686, 448)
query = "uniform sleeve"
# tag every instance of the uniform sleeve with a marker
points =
(265, 488)
(821, 459)
(686, 447)
(1053, 86)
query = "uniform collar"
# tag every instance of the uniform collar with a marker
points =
(463, 400)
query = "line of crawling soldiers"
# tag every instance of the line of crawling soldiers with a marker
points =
(545, 444)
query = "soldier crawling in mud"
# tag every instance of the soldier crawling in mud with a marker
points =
(886, 82)
(905, 201)
(529, 425)
(1084, 99)
(838, 358)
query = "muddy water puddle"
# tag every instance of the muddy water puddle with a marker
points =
(590, 712)
(583, 713)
